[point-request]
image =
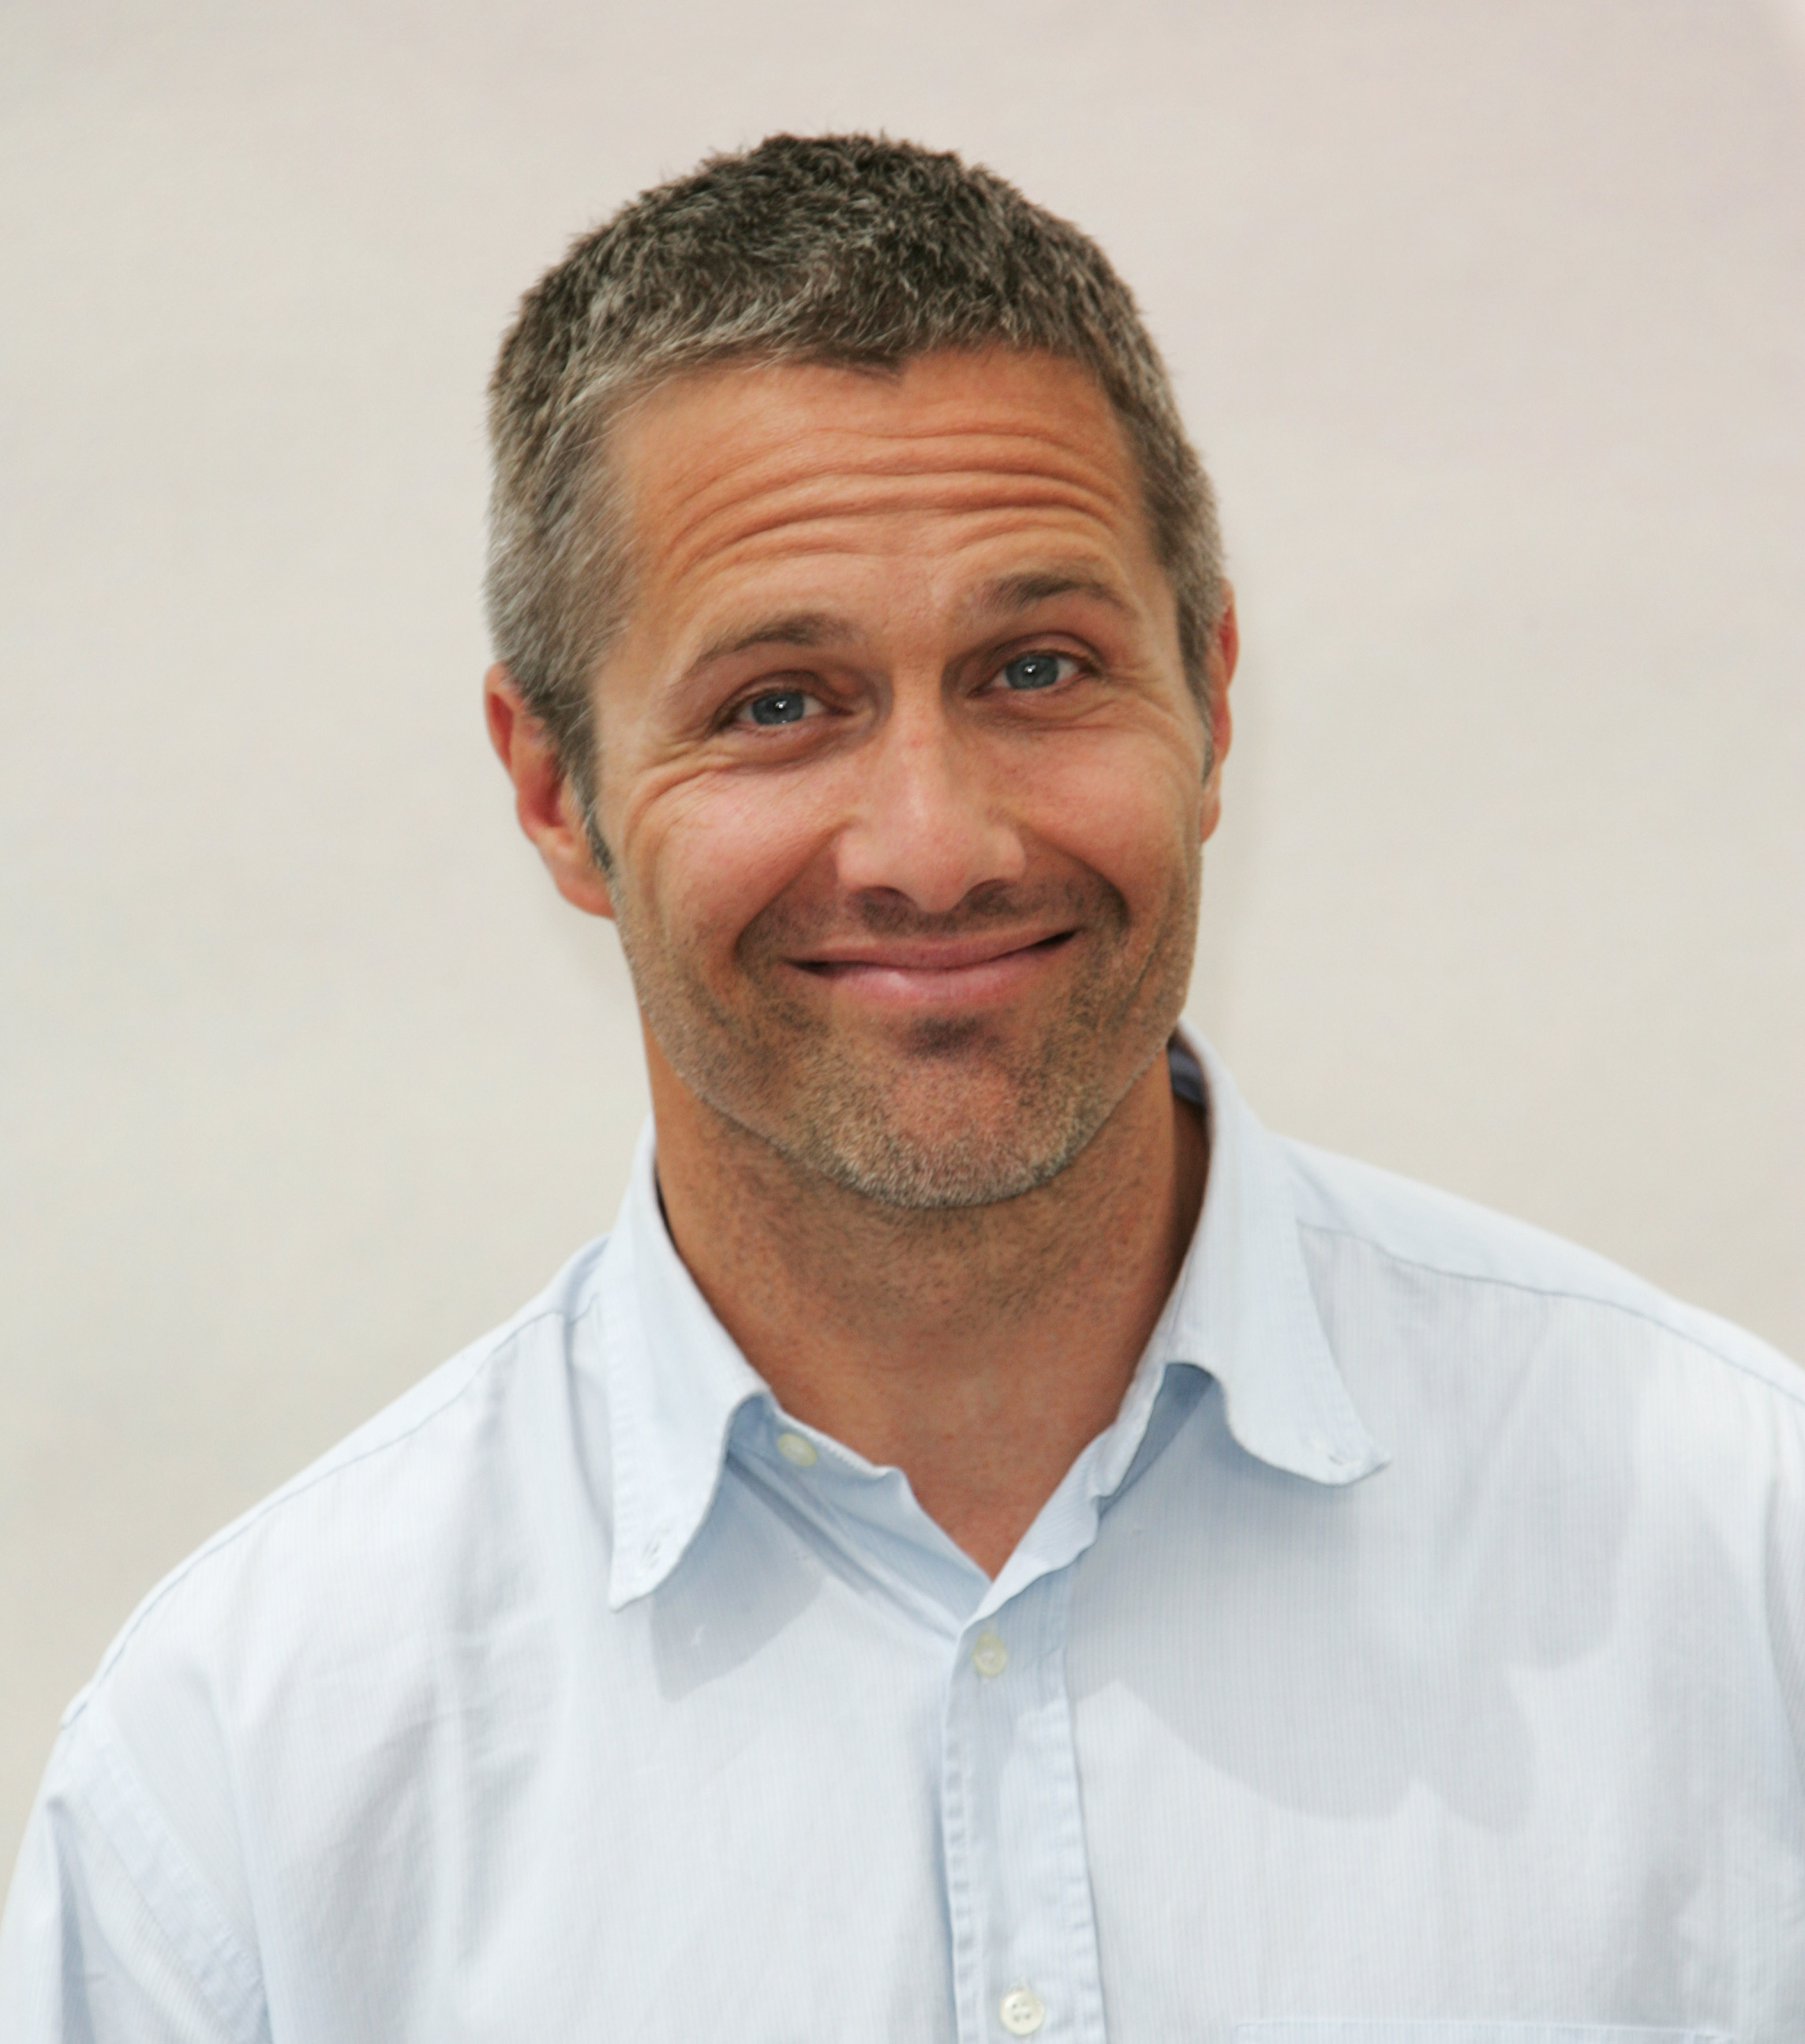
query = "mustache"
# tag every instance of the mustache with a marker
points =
(994, 905)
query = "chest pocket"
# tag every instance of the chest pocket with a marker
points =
(1367, 2031)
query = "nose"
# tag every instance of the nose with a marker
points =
(928, 823)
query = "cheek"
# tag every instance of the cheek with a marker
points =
(707, 854)
(1127, 807)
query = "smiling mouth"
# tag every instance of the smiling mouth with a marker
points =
(925, 975)
(934, 957)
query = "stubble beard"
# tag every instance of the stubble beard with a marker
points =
(995, 1114)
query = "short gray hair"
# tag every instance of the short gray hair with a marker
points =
(852, 250)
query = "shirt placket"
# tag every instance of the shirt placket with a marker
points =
(1018, 1880)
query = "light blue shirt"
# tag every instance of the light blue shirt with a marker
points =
(1424, 1644)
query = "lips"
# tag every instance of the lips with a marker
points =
(938, 972)
(932, 954)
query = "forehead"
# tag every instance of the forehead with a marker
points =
(733, 473)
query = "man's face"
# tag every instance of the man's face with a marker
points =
(903, 783)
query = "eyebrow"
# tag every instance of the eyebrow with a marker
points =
(790, 628)
(1022, 592)
(822, 627)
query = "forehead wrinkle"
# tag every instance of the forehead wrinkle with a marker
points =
(832, 457)
(924, 438)
(902, 458)
(751, 521)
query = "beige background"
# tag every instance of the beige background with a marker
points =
(1490, 316)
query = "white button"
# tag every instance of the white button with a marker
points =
(989, 1657)
(1022, 2012)
(796, 1448)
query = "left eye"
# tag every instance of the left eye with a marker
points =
(1034, 671)
(779, 706)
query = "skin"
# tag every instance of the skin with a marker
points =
(905, 789)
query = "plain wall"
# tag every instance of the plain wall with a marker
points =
(1490, 319)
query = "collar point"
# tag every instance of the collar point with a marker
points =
(641, 1566)
(1335, 1460)
(626, 1589)
(1343, 1462)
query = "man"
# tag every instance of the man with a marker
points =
(993, 1544)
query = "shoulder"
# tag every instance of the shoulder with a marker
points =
(388, 1520)
(1469, 1258)
(266, 1687)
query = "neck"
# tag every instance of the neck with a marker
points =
(977, 1349)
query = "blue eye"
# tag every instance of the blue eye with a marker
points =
(784, 706)
(1032, 671)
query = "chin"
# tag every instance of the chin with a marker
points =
(918, 1178)
(940, 1145)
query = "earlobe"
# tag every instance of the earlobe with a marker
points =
(547, 804)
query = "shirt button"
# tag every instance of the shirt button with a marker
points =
(796, 1449)
(989, 1657)
(1022, 2012)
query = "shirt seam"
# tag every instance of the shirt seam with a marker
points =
(198, 1933)
(1666, 1325)
(297, 1486)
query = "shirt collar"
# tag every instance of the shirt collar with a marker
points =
(1242, 1311)
(674, 1378)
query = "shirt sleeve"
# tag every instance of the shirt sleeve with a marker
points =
(1786, 1586)
(109, 1935)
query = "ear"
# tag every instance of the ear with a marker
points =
(1224, 650)
(544, 799)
